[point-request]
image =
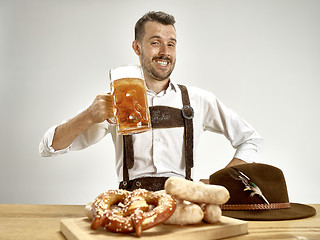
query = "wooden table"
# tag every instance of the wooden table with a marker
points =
(43, 222)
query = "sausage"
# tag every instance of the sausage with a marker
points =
(212, 213)
(196, 192)
(89, 211)
(186, 213)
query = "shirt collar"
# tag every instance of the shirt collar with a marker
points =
(173, 86)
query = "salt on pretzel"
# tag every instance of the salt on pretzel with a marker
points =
(196, 192)
(134, 215)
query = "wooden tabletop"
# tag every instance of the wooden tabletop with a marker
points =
(43, 222)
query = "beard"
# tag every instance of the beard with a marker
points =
(152, 71)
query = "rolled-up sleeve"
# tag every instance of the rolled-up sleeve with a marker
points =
(93, 135)
(45, 146)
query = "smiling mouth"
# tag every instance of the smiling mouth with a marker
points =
(162, 62)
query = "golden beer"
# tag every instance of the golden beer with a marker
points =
(130, 105)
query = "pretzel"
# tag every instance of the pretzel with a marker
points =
(133, 212)
(197, 192)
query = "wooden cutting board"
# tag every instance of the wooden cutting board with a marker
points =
(79, 229)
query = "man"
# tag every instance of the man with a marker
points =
(147, 159)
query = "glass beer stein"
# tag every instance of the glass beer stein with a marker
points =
(129, 97)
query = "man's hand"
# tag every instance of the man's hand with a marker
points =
(101, 108)
(99, 111)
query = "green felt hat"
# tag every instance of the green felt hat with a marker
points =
(258, 192)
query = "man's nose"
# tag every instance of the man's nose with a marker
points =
(163, 51)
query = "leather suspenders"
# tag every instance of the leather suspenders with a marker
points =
(188, 114)
(166, 117)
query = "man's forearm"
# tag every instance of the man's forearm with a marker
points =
(99, 111)
(66, 133)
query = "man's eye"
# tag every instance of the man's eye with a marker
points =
(155, 43)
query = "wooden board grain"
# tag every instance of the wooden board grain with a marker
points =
(79, 229)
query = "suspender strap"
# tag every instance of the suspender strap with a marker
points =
(128, 157)
(188, 114)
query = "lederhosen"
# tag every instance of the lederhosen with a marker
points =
(161, 117)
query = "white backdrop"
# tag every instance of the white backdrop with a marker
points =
(261, 58)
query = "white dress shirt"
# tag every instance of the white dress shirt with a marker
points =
(160, 152)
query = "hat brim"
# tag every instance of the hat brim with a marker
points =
(295, 211)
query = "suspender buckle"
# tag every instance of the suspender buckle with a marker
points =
(187, 112)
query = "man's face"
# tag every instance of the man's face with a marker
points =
(158, 51)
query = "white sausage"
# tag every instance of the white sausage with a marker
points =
(89, 211)
(212, 213)
(196, 192)
(186, 213)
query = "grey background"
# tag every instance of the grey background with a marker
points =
(261, 58)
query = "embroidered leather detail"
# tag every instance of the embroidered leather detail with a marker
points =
(165, 117)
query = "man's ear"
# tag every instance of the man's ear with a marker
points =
(136, 47)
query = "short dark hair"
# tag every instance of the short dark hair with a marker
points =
(160, 17)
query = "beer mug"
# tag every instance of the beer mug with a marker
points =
(129, 97)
